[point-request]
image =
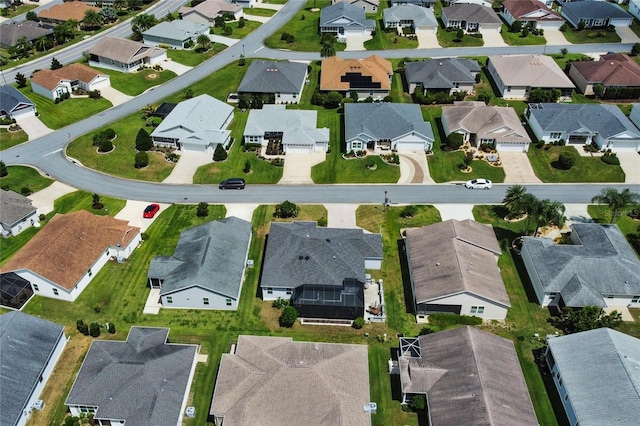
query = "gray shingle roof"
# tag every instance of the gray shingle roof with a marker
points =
(10, 97)
(14, 207)
(472, 13)
(329, 255)
(607, 120)
(211, 256)
(421, 16)
(276, 381)
(176, 30)
(593, 10)
(12, 32)
(441, 73)
(604, 260)
(471, 377)
(589, 360)
(384, 120)
(354, 16)
(297, 126)
(274, 77)
(142, 380)
(26, 345)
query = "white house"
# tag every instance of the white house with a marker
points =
(13, 104)
(124, 55)
(16, 213)
(369, 6)
(283, 80)
(344, 19)
(175, 34)
(634, 8)
(80, 241)
(54, 83)
(531, 12)
(207, 11)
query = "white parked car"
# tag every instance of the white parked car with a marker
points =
(478, 184)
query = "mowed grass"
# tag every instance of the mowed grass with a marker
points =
(19, 177)
(9, 139)
(258, 11)
(516, 39)
(450, 39)
(586, 169)
(120, 161)
(55, 116)
(218, 85)
(194, 57)
(135, 83)
(599, 35)
(238, 32)
(384, 40)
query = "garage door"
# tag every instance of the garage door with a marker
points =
(193, 147)
(293, 149)
(549, 25)
(410, 146)
(512, 147)
(24, 112)
(625, 147)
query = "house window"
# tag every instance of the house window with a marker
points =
(508, 88)
(555, 135)
(89, 272)
(35, 287)
(477, 309)
(169, 299)
(609, 296)
(205, 300)
(634, 299)
(289, 291)
(269, 290)
(278, 95)
(295, 96)
(55, 291)
(228, 302)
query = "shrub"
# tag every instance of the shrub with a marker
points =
(287, 209)
(280, 303)
(409, 211)
(540, 143)
(454, 141)
(203, 210)
(610, 159)
(3, 169)
(220, 154)
(449, 319)
(144, 236)
(143, 140)
(288, 317)
(94, 329)
(106, 146)
(109, 133)
(418, 403)
(111, 328)
(82, 327)
(566, 160)
(227, 30)
(426, 330)
(358, 323)
(141, 160)
(42, 217)
(94, 94)
(247, 166)
(322, 221)
(25, 190)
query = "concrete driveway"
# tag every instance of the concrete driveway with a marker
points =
(356, 42)
(43, 199)
(627, 35)
(132, 213)
(114, 96)
(297, 167)
(179, 69)
(271, 6)
(341, 215)
(455, 211)
(33, 127)
(554, 37)
(427, 39)
(630, 163)
(414, 168)
(518, 168)
(187, 165)
(242, 211)
(492, 39)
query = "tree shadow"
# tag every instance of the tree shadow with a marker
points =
(550, 387)
(406, 277)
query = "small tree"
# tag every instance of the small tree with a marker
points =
(598, 90)
(516, 27)
(409, 211)
(455, 141)
(227, 30)
(218, 21)
(21, 80)
(142, 160)
(564, 51)
(204, 42)
(111, 328)
(247, 166)
(242, 61)
(332, 100)
(587, 318)
(288, 317)
(32, 16)
(459, 34)
(106, 146)
(3, 169)
(241, 22)
(143, 141)
(468, 159)
(220, 154)
(82, 327)
(203, 209)
(525, 32)
(55, 64)
(287, 209)
(418, 403)
(188, 94)
(95, 202)
(358, 323)
(94, 329)
(566, 160)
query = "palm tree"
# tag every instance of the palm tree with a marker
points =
(43, 43)
(328, 49)
(142, 23)
(120, 4)
(529, 205)
(149, 110)
(616, 200)
(92, 19)
(550, 213)
(512, 200)
(204, 42)
(23, 47)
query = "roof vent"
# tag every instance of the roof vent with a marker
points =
(300, 257)
(328, 240)
(306, 258)
(437, 263)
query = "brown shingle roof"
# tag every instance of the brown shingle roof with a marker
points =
(374, 66)
(613, 70)
(69, 244)
(210, 8)
(487, 122)
(519, 8)
(455, 256)
(533, 70)
(49, 79)
(123, 50)
(68, 10)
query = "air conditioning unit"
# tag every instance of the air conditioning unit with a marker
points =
(38, 405)
(249, 263)
(190, 412)
(371, 407)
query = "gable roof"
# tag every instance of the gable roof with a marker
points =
(531, 10)
(606, 120)
(276, 381)
(470, 376)
(594, 10)
(344, 14)
(74, 240)
(421, 16)
(612, 357)
(383, 120)
(49, 79)
(603, 260)
(14, 207)
(10, 98)
(302, 253)
(298, 126)
(177, 29)
(210, 8)
(372, 2)
(67, 11)
(452, 257)
(11, 32)
(197, 120)
(471, 12)
(530, 70)
(615, 69)
(487, 122)
(26, 345)
(142, 380)
(274, 77)
(441, 73)
(211, 256)
(375, 68)
(123, 50)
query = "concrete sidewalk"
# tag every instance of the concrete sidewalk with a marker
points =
(43, 200)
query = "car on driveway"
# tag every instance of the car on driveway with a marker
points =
(478, 184)
(232, 183)
(151, 211)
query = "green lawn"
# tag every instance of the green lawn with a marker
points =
(24, 177)
(194, 58)
(384, 40)
(261, 171)
(219, 84)
(586, 169)
(601, 214)
(516, 39)
(562, 60)
(258, 11)
(575, 36)
(55, 116)
(9, 139)
(82, 200)
(135, 83)
(120, 161)
(449, 39)
(237, 32)
(397, 92)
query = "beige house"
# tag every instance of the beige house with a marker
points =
(483, 124)
(207, 11)
(453, 268)
(369, 6)
(54, 83)
(124, 55)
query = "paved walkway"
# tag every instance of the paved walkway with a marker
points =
(43, 200)
(555, 37)
(455, 211)
(517, 168)
(297, 167)
(114, 96)
(153, 305)
(627, 35)
(492, 38)
(187, 165)
(356, 42)
(341, 215)
(33, 127)
(179, 69)
(630, 163)
(414, 168)
(132, 213)
(242, 211)
(623, 310)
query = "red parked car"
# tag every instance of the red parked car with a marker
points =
(151, 211)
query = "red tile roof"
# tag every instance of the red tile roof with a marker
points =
(613, 70)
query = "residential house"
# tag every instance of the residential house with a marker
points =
(603, 355)
(595, 14)
(613, 70)
(176, 34)
(516, 75)
(275, 381)
(422, 3)
(368, 77)
(603, 125)
(634, 8)
(410, 15)
(344, 19)
(468, 376)
(207, 11)
(453, 269)
(63, 12)
(369, 6)
(246, 3)
(286, 130)
(634, 116)
(142, 381)
(481, 124)
(485, 3)
(54, 83)
(13, 31)
(15, 105)
(206, 270)
(82, 242)
(471, 18)
(284, 80)
(532, 13)
(197, 124)
(16, 213)
(447, 75)
(124, 55)
(15, 291)
(387, 126)
(300, 256)
(599, 268)
(30, 349)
